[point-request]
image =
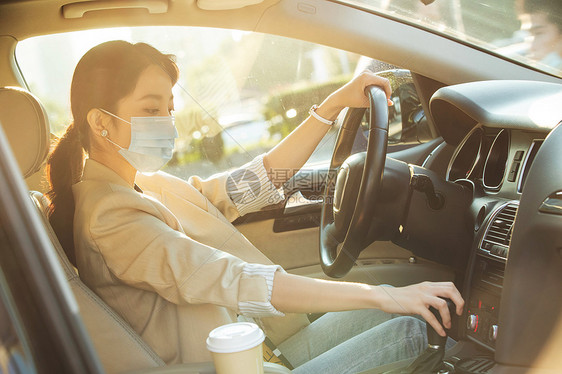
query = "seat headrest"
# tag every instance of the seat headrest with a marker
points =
(27, 127)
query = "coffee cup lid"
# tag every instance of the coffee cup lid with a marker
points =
(235, 337)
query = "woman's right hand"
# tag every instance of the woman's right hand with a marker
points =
(417, 298)
(297, 294)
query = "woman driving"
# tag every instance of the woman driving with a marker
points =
(163, 252)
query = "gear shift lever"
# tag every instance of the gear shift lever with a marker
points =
(435, 340)
(430, 360)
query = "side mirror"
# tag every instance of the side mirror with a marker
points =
(408, 123)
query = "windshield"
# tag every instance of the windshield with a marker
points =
(528, 31)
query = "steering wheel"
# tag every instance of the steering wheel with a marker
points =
(352, 188)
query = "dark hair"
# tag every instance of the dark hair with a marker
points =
(552, 9)
(103, 76)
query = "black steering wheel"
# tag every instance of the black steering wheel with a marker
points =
(352, 188)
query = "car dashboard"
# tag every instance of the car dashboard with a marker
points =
(496, 129)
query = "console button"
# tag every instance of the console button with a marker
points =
(472, 322)
(513, 172)
(487, 245)
(493, 333)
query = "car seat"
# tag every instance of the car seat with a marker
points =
(27, 127)
(118, 346)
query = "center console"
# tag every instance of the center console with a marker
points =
(487, 279)
(474, 352)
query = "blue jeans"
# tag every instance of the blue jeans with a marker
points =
(354, 341)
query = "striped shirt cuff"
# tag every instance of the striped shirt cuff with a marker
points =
(250, 188)
(259, 309)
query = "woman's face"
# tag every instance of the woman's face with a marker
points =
(152, 96)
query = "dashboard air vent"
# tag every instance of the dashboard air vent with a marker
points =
(498, 235)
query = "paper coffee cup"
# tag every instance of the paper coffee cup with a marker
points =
(237, 348)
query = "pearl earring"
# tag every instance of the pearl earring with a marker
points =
(104, 133)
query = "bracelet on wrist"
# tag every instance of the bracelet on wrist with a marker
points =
(313, 113)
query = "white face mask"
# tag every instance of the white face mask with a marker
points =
(152, 142)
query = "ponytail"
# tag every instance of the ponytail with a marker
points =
(64, 168)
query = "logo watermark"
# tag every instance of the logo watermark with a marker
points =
(305, 185)
(243, 186)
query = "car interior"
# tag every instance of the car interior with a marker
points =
(480, 204)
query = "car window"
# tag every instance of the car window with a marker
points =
(238, 95)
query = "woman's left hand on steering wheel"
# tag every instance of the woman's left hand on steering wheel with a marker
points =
(352, 94)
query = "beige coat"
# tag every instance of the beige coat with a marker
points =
(169, 260)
